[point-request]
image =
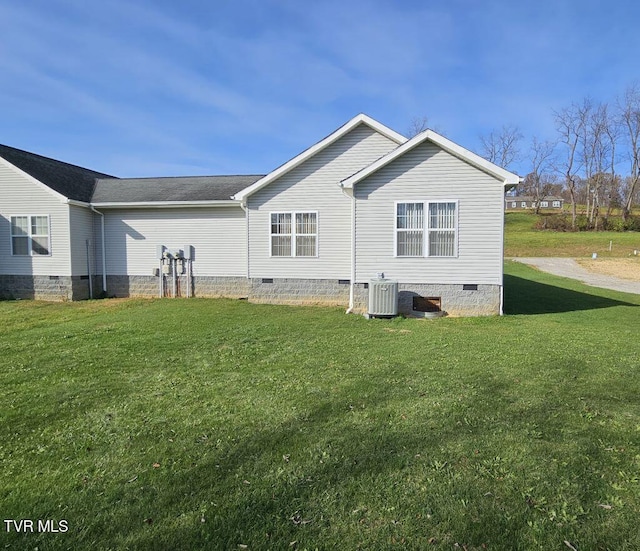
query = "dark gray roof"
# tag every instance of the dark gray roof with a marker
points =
(179, 188)
(74, 182)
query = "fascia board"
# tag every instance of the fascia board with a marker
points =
(33, 180)
(164, 204)
(316, 148)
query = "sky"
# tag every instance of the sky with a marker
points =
(139, 88)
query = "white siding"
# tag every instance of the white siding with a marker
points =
(428, 173)
(218, 235)
(313, 186)
(21, 196)
(81, 226)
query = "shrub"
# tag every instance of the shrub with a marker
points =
(632, 223)
(554, 222)
(582, 223)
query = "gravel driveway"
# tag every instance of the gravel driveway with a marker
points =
(567, 267)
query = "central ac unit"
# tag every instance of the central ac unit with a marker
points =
(383, 298)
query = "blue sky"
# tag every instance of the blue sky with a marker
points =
(158, 87)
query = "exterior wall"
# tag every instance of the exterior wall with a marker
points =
(218, 235)
(81, 229)
(19, 195)
(431, 174)
(313, 186)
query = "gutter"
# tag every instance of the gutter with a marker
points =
(77, 203)
(164, 204)
(104, 250)
(243, 206)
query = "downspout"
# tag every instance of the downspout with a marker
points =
(352, 277)
(243, 206)
(104, 250)
(90, 275)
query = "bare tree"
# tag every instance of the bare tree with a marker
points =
(613, 132)
(417, 125)
(570, 124)
(598, 150)
(539, 182)
(629, 112)
(502, 147)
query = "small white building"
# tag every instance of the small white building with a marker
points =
(528, 202)
(362, 201)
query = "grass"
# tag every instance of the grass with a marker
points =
(218, 424)
(522, 240)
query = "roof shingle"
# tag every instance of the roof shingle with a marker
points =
(74, 182)
(170, 189)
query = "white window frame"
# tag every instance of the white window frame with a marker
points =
(294, 235)
(514, 204)
(544, 204)
(556, 204)
(523, 204)
(426, 253)
(30, 235)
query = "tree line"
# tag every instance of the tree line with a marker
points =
(593, 159)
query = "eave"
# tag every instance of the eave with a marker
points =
(164, 204)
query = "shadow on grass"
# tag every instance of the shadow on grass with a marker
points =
(526, 296)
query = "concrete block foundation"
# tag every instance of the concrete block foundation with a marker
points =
(454, 300)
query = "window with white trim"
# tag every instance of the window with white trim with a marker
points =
(426, 229)
(514, 204)
(30, 235)
(556, 204)
(294, 234)
(410, 229)
(523, 204)
(544, 204)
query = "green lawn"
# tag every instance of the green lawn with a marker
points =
(219, 424)
(522, 240)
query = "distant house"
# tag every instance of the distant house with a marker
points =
(362, 201)
(528, 202)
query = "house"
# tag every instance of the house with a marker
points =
(528, 202)
(362, 201)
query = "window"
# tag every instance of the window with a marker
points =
(514, 204)
(544, 204)
(30, 235)
(410, 229)
(431, 235)
(523, 204)
(294, 234)
(556, 204)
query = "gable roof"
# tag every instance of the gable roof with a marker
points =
(71, 181)
(322, 144)
(508, 178)
(179, 189)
